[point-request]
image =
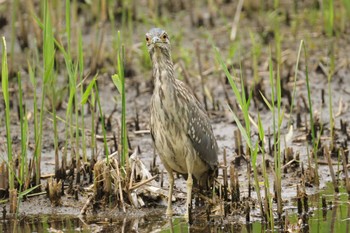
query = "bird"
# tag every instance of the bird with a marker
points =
(179, 125)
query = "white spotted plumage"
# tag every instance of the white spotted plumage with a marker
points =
(180, 128)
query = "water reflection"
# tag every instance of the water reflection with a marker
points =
(176, 225)
(332, 214)
(333, 217)
(152, 223)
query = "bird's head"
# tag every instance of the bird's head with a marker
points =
(158, 43)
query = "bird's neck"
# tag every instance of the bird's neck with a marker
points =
(163, 70)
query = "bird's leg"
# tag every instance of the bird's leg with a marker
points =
(169, 210)
(189, 185)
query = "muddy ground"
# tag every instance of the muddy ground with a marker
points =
(211, 25)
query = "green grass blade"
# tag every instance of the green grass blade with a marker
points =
(68, 15)
(241, 128)
(266, 101)
(117, 82)
(5, 92)
(228, 75)
(121, 82)
(87, 92)
(24, 133)
(295, 81)
(49, 49)
(102, 123)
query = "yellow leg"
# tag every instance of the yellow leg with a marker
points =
(189, 185)
(169, 210)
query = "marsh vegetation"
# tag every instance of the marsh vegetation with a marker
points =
(274, 77)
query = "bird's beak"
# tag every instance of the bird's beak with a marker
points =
(155, 40)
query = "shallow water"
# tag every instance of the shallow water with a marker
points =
(334, 218)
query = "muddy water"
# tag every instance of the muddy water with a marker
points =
(334, 217)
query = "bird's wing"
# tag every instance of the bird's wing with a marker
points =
(201, 134)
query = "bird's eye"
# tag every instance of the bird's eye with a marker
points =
(147, 38)
(164, 36)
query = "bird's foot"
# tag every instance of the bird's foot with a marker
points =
(188, 215)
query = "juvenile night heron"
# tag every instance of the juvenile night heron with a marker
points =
(180, 127)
